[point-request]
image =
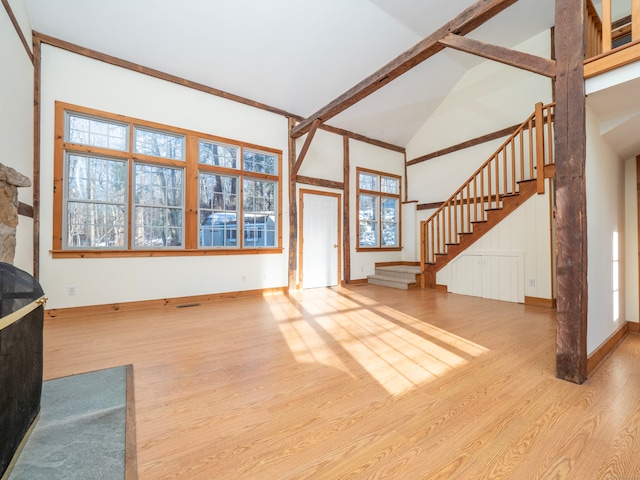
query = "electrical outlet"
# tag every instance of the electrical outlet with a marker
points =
(71, 290)
(532, 282)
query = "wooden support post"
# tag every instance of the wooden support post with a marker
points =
(346, 223)
(635, 20)
(37, 77)
(293, 214)
(571, 218)
(539, 148)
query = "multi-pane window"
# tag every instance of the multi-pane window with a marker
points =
(218, 155)
(378, 210)
(218, 214)
(158, 206)
(224, 220)
(96, 199)
(159, 144)
(259, 218)
(96, 132)
(125, 186)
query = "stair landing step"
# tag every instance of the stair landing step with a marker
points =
(392, 282)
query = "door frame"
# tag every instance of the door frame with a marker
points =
(305, 191)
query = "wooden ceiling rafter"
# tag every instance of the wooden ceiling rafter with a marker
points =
(467, 21)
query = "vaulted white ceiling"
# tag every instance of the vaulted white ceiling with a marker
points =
(295, 55)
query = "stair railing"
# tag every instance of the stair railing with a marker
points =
(522, 157)
(605, 34)
(594, 31)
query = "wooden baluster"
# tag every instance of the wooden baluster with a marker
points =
(448, 237)
(482, 195)
(497, 162)
(513, 166)
(442, 233)
(489, 191)
(522, 155)
(635, 20)
(505, 171)
(475, 198)
(539, 148)
(549, 118)
(467, 225)
(594, 31)
(438, 234)
(427, 241)
(606, 25)
(455, 219)
(434, 235)
(530, 151)
(433, 243)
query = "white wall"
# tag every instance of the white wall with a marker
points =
(16, 119)
(374, 158)
(489, 97)
(325, 160)
(325, 157)
(78, 80)
(631, 283)
(605, 184)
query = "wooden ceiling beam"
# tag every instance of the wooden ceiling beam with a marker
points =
(513, 58)
(470, 19)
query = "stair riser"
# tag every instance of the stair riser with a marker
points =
(386, 283)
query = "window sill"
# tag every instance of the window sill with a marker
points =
(159, 253)
(378, 249)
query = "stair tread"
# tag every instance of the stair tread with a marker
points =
(413, 269)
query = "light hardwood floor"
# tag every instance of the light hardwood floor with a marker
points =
(359, 383)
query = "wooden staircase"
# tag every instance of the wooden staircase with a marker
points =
(513, 174)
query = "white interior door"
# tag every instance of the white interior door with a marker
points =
(319, 240)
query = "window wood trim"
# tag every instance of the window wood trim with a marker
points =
(379, 194)
(191, 167)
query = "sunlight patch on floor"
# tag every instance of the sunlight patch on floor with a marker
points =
(361, 337)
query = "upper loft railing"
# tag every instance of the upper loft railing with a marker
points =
(617, 25)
